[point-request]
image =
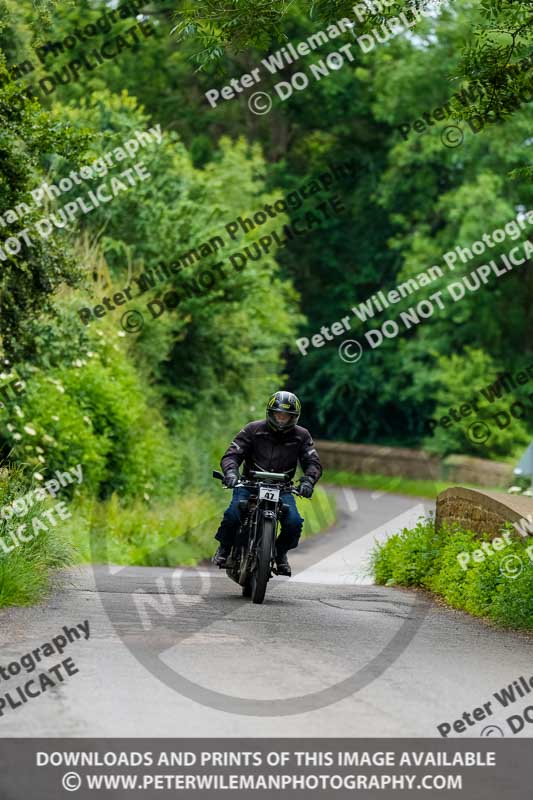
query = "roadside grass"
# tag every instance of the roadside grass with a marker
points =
(180, 533)
(27, 574)
(424, 557)
(27, 571)
(407, 486)
(319, 513)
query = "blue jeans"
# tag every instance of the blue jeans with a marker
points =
(291, 521)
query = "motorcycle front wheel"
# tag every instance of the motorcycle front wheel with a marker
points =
(261, 573)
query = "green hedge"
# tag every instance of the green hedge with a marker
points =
(424, 557)
(96, 411)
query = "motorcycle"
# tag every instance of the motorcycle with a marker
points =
(251, 562)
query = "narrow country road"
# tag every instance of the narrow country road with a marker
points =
(180, 653)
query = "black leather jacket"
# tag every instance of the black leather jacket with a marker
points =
(263, 449)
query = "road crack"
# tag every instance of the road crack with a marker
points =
(368, 610)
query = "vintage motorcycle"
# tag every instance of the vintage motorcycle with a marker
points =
(251, 562)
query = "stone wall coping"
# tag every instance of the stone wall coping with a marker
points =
(514, 507)
(460, 460)
(414, 464)
(375, 450)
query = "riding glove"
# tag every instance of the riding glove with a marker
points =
(306, 488)
(231, 479)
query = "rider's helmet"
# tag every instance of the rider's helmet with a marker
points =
(286, 404)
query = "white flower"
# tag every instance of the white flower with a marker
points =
(17, 436)
(10, 427)
(77, 363)
(39, 449)
(18, 411)
(31, 431)
(47, 438)
(55, 417)
(60, 388)
(146, 496)
(121, 333)
(41, 459)
(87, 419)
(38, 476)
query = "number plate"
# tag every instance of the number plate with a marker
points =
(268, 494)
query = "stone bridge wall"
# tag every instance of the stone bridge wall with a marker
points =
(481, 511)
(417, 464)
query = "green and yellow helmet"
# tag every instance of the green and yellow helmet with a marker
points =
(287, 403)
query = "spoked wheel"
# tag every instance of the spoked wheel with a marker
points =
(247, 588)
(261, 573)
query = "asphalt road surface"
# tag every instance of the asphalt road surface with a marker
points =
(180, 653)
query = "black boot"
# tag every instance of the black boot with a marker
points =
(282, 563)
(221, 555)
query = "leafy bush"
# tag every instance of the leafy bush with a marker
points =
(458, 380)
(97, 412)
(423, 557)
(407, 556)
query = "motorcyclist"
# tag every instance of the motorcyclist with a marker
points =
(275, 444)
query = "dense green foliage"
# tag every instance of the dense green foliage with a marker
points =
(501, 36)
(427, 558)
(149, 414)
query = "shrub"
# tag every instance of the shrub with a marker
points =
(97, 412)
(423, 557)
(458, 380)
(406, 557)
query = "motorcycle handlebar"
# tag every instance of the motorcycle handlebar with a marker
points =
(289, 488)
